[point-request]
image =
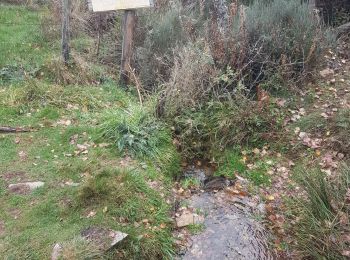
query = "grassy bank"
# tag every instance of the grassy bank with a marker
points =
(88, 180)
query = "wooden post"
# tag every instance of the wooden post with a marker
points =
(129, 22)
(65, 30)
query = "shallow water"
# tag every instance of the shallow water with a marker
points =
(231, 232)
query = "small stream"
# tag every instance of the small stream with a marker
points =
(231, 230)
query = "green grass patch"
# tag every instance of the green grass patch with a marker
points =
(22, 46)
(322, 214)
(58, 212)
(231, 164)
(195, 229)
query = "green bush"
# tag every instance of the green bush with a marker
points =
(285, 35)
(154, 54)
(218, 125)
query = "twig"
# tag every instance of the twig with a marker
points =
(99, 35)
(7, 129)
(137, 83)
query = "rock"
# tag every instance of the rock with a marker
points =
(25, 187)
(261, 209)
(104, 239)
(217, 183)
(188, 218)
(185, 219)
(56, 252)
(326, 73)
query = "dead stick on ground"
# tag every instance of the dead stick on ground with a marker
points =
(137, 83)
(6, 129)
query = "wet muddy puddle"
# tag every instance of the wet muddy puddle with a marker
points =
(231, 229)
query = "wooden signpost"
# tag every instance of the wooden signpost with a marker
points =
(129, 23)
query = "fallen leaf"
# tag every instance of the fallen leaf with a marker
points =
(270, 198)
(91, 214)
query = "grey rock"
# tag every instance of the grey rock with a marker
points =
(25, 187)
(56, 252)
(104, 238)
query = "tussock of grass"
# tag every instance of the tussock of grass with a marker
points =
(231, 163)
(135, 131)
(323, 214)
(78, 71)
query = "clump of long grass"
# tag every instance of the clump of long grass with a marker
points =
(341, 130)
(322, 230)
(135, 131)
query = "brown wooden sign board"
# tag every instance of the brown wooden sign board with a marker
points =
(129, 22)
(112, 5)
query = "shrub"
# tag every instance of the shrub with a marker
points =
(154, 54)
(192, 79)
(289, 35)
(213, 75)
(266, 37)
(215, 126)
(323, 229)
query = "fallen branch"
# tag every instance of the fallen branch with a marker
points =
(7, 129)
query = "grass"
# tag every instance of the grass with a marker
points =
(195, 229)
(189, 183)
(57, 213)
(62, 116)
(323, 214)
(232, 163)
(22, 47)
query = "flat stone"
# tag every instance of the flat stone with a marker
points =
(185, 219)
(25, 187)
(105, 239)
